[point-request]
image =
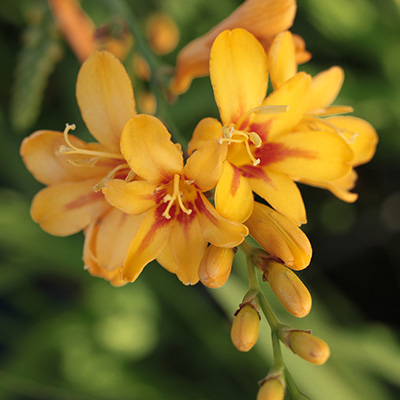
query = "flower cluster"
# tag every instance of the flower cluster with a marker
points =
(138, 200)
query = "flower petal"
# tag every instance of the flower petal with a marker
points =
(279, 236)
(282, 63)
(205, 165)
(148, 243)
(116, 231)
(130, 197)
(321, 156)
(39, 152)
(325, 87)
(166, 259)
(238, 72)
(67, 208)
(188, 247)
(295, 94)
(216, 229)
(263, 18)
(105, 97)
(360, 135)
(206, 129)
(147, 147)
(281, 193)
(233, 195)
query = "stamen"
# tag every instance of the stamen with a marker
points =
(262, 110)
(332, 110)
(176, 195)
(76, 150)
(98, 186)
(229, 131)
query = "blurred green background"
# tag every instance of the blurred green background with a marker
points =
(67, 335)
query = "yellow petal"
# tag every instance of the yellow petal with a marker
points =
(105, 97)
(360, 136)
(279, 236)
(188, 247)
(206, 129)
(147, 244)
(295, 94)
(281, 193)
(132, 198)
(40, 153)
(263, 18)
(238, 72)
(216, 229)
(147, 147)
(313, 155)
(215, 266)
(67, 208)
(233, 195)
(204, 166)
(115, 230)
(325, 87)
(166, 259)
(339, 187)
(91, 262)
(282, 63)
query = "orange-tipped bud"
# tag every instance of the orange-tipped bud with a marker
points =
(147, 103)
(272, 389)
(216, 265)
(289, 289)
(162, 33)
(245, 327)
(279, 236)
(307, 346)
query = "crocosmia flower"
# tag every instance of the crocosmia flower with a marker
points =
(178, 220)
(74, 171)
(265, 154)
(320, 113)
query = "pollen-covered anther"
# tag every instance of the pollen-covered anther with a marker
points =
(232, 135)
(176, 196)
(70, 149)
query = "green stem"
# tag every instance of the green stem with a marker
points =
(276, 346)
(119, 7)
(273, 321)
(292, 388)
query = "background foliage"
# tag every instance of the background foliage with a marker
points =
(66, 335)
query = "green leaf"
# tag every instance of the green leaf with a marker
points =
(40, 52)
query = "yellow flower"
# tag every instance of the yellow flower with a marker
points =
(263, 18)
(178, 220)
(71, 168)
(265, 155)
(325, 86)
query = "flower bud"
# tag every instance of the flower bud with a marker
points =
(215, 267)
(307, 346)
(271, 389)
(289, 289)
(279, 236)
(162, 33)
(244, 332)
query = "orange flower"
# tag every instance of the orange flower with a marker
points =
(178, 220)
(263, 18)
(71, 168)
(264, 155)
(360, 136)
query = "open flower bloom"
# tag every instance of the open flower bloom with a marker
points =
(263, 18)
(264, 154)
(75, 171)
(178, 220)
(325, 86)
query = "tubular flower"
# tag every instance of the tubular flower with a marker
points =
(360, 136)
(263, 18)
(75, 171)
(264, 154)
(178, 220)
